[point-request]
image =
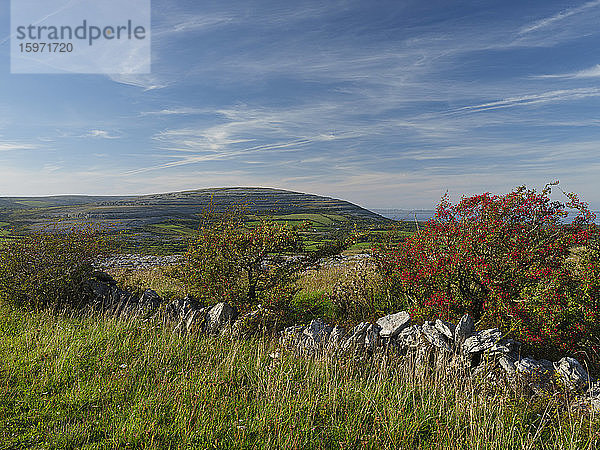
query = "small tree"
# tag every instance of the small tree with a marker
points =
(234, 262)
(505, 260)
(51, 268)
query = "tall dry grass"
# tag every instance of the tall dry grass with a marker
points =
(100, 383)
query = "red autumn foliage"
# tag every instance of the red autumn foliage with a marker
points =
(510, 261)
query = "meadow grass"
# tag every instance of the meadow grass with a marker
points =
(96, 382)
(165, 280)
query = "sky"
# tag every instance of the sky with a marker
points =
(387, 104)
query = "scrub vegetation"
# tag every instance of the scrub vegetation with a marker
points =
(75, 377)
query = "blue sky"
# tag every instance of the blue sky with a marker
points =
(387, 104)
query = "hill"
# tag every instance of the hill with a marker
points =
(157, 218)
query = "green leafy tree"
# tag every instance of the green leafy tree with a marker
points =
(232, 261)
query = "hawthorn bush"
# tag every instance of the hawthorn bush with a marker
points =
(51, 268)
(509, 261)
(230, 261)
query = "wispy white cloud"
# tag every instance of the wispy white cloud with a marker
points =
(146, 82)
(532, 99)
(554, 19)
(49, 168)
(103, 134)
(592, 72)
(10, 146)
(174, 112)
(182, 23)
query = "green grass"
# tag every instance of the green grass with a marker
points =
(316, 220)
(101, 383)
(359, 247)
(34, 203)
(166, 281)
(173, 228)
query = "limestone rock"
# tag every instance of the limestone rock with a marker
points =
(463, 330)
(435, 337)
(505, 347)
(446, 328)
(336, 337)
(179, 308)
(148, 303)
(507, 363)
(593, 395)
(292, 336)
(194, 321)
(109, 298)
(372, 337)
(572, 374)
(356, 340)
(409, 337)
(530, 366)
(482, 341)
(316, 333)
(218, 317)
(393, 324)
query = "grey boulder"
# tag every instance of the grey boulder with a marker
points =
(336, 337)
(572, 374)
(594, 397)
(463, 330)
(292, 336)
(530, 366)
(393, 324)
(508, 364)
(364, 335)
(219, 316)
(446, 328)
(409, 337)
(316, 333)
(482, 341)
(435, 337)
(372, 337)
(505, 347)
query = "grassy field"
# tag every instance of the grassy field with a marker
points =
(100, 383)
(34, 203)
(4, 229)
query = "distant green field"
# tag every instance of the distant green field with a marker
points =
(316, 220)
(4, 229)
(34, 203)
(174, 228)
(359, 247)
(323, 219)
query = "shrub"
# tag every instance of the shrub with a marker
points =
(230, 261)
(50, 268)
(505, 260)
(358, 294)
(309, 305)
